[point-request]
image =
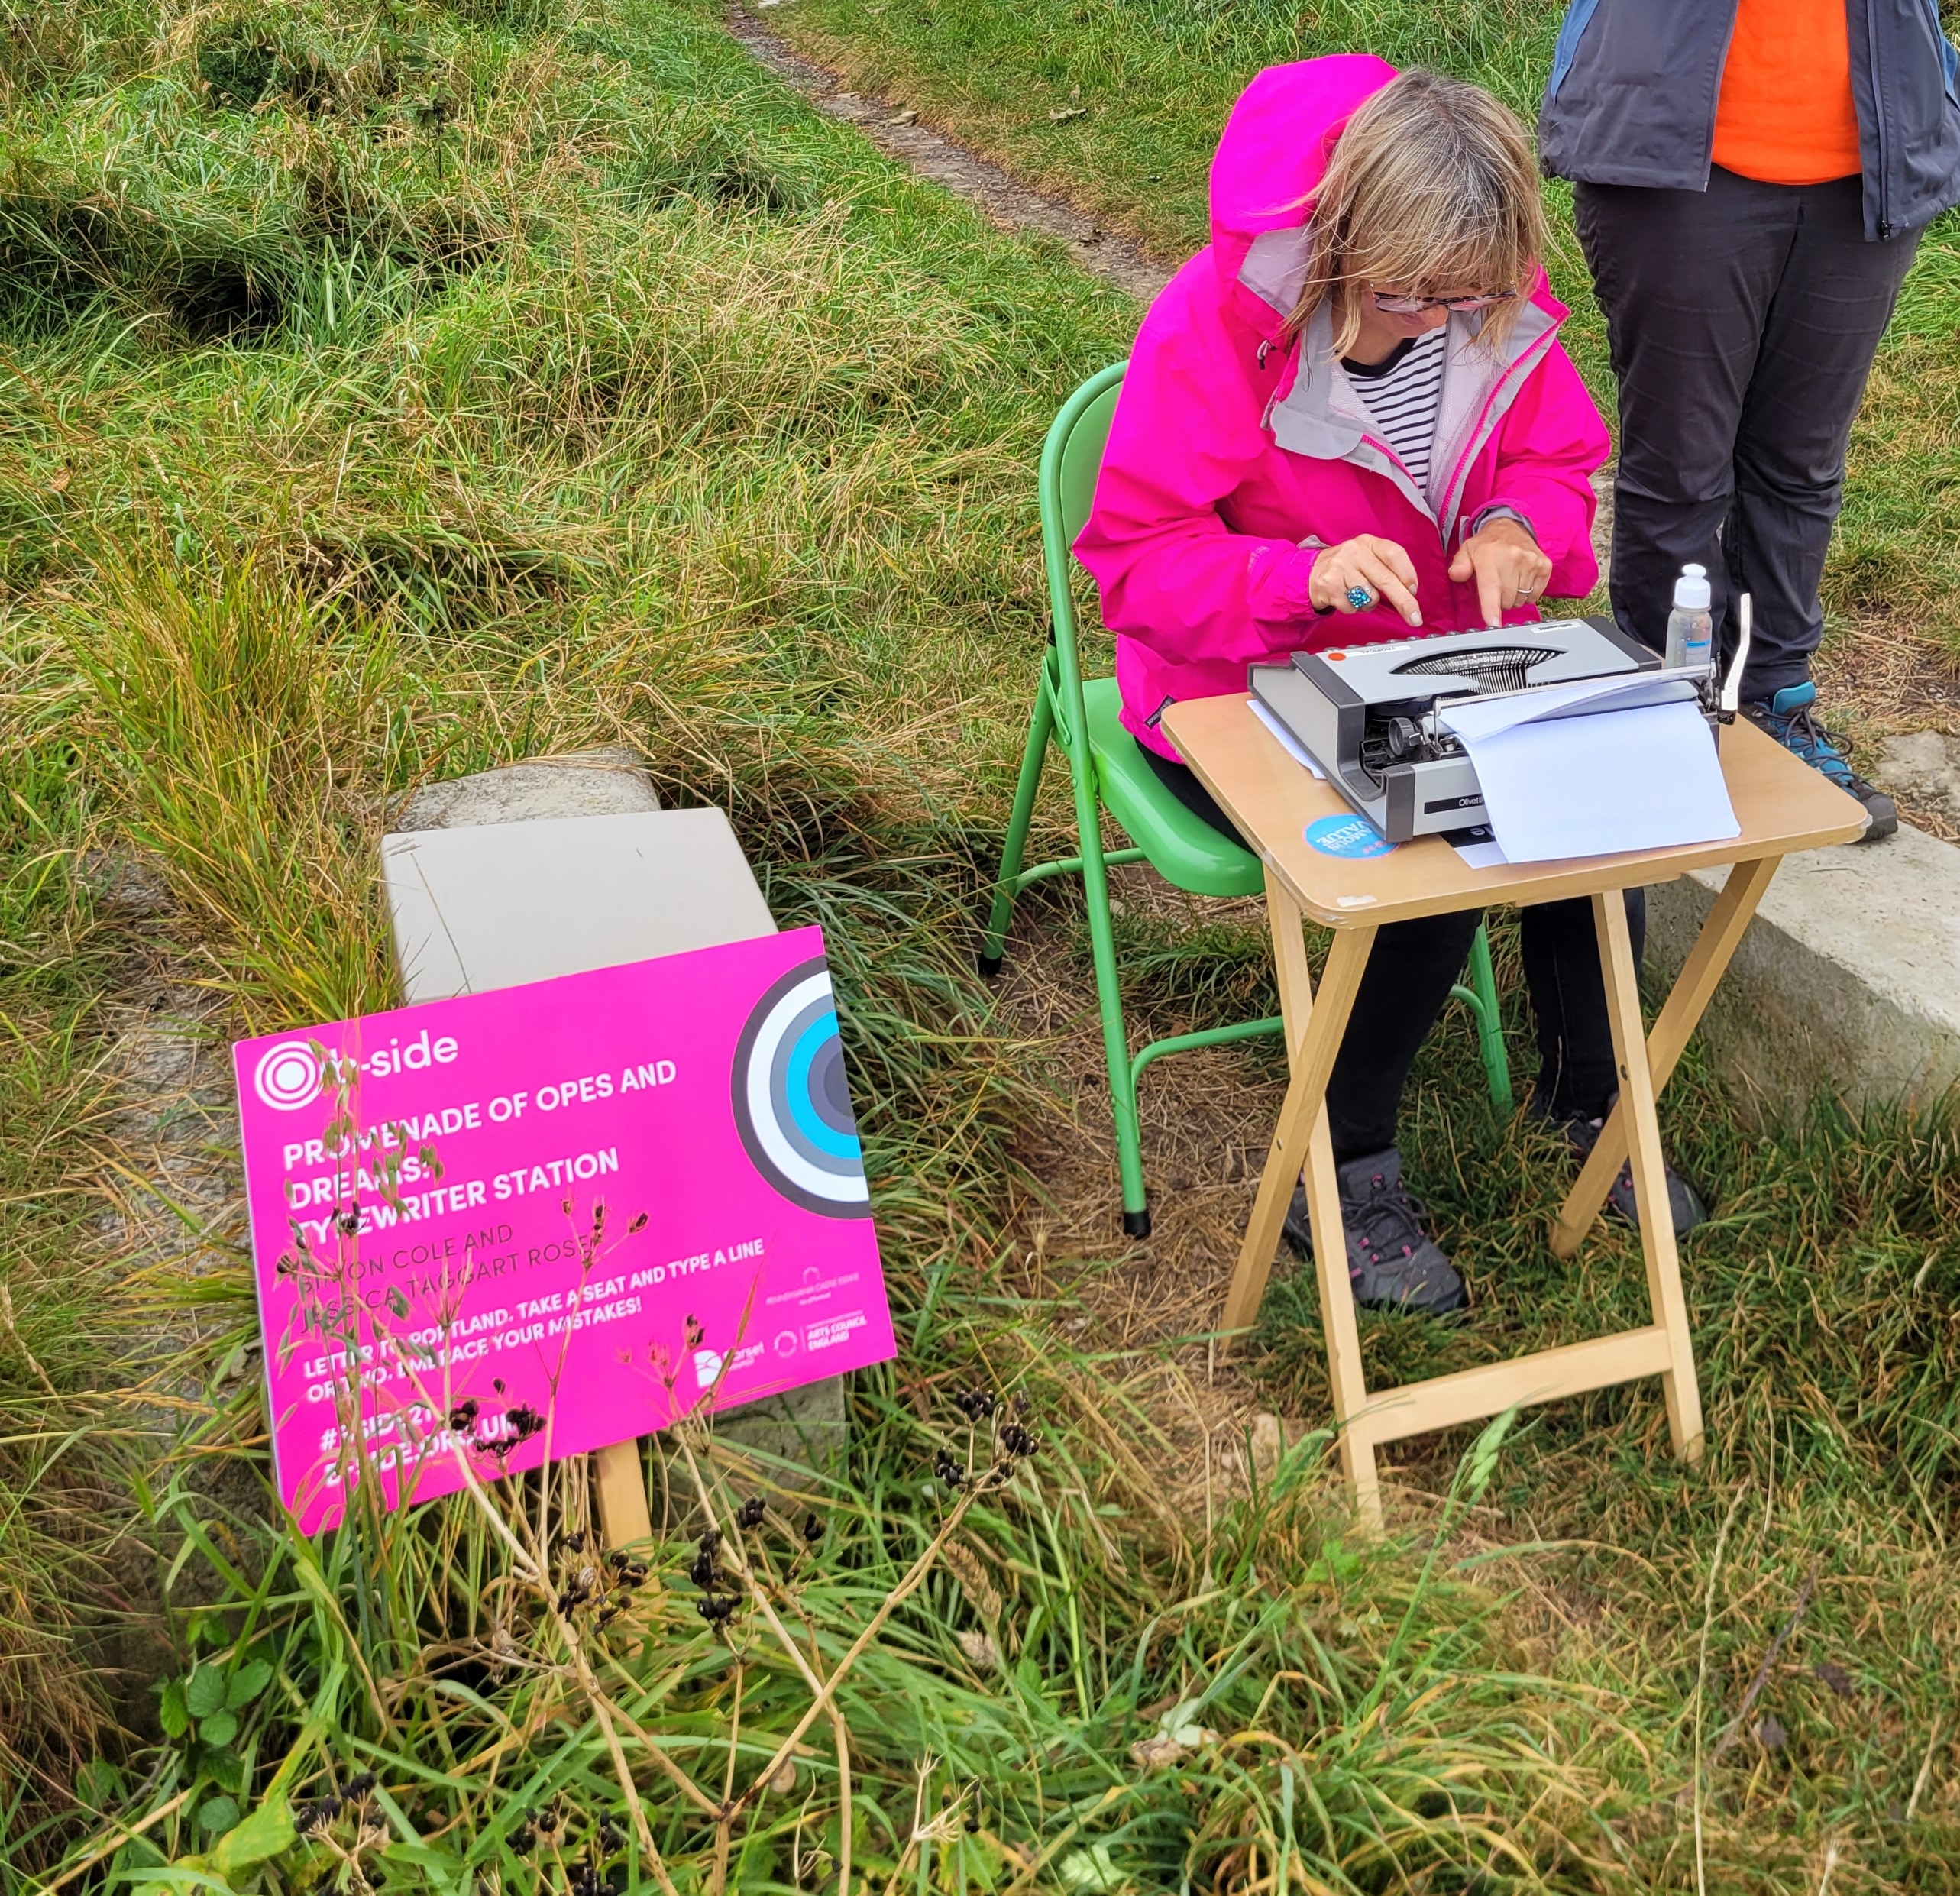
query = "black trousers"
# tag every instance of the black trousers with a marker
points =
(1742, 320)
(1410, 971)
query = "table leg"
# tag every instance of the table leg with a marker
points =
(1313, 1062)
(1650, 1178)
(1720, 936)
(1337, 1294)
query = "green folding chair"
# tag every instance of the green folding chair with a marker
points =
(1108, 772)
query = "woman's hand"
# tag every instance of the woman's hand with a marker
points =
(1505, 561)
(1366, 564)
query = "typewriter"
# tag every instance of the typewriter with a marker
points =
(1368, 714)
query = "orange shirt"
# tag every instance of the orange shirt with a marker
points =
(1786, 115)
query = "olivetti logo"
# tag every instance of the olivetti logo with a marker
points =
(288, 1075)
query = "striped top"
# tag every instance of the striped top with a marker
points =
(1402, 393)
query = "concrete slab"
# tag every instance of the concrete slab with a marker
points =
(1847, 981)
(603, 889)
(1923, 768)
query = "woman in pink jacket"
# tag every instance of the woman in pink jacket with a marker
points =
(1348, 417)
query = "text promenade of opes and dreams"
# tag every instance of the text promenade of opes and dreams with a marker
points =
(405, 1179)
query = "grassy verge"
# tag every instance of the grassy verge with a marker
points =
(389, 390)
(1117, 104)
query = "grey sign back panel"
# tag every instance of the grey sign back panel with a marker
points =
(491, 905)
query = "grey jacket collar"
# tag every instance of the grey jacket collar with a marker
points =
(1322, 416)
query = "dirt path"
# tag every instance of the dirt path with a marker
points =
(894, 129)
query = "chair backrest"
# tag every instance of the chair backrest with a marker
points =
(1075, 443)
(1071, 459)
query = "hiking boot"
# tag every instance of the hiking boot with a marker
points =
(1787, 718)
(1582, 1134)
(1392, 1262)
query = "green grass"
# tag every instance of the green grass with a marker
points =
(1117, 104)
(389, 390)
(61, 1473)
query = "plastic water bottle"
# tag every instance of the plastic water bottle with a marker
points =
(1691, 626)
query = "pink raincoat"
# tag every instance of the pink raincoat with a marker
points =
(1233, 456)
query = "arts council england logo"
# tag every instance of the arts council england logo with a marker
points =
(288, 1075)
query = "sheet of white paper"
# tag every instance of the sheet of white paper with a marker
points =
(1642, 779)
(1289, 742)
(1485, 717)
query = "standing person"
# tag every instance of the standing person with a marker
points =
(1751, 178)
(1347, 418)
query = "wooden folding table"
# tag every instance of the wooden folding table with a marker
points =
(1782, 805)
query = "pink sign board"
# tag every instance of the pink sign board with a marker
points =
(554, 1217)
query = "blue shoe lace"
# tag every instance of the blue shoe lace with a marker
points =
(1788, 718)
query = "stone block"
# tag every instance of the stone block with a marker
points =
(809, 1428)
(604, 781)
(1847, 981)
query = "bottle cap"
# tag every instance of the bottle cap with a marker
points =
(1691, 590)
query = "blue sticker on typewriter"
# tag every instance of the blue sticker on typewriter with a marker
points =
(1347, 836)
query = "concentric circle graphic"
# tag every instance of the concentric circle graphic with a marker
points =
(792, 1103)
(288, 1075)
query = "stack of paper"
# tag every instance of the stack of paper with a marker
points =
(1288, 742)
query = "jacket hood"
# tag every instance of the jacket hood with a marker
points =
(1270, 159)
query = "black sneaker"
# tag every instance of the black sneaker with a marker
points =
(1392, 1262)
(1788, 718)
(1582, 1134)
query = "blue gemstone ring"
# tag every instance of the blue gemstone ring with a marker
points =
(1360, 598)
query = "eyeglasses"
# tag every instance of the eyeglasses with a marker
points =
(1420, 306)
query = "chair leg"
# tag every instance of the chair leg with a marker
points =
(1015, 847)
(1115, 1038)
(1489, 1022)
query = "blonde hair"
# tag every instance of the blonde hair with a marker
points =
(1431, 186)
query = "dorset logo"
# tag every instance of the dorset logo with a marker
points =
(288, 1075)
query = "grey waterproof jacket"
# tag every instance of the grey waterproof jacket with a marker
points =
(1634, 84)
